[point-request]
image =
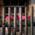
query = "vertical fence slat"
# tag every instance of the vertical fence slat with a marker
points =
(31, 25)
(25, 21)
(9, 28)
(20, 19)
(14, 16)
(3, 21)
(15, 20)
(31, 22)
(9, 16)
(3, 15)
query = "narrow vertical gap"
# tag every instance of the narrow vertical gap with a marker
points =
(12, 20)
(20, 20)
(5, 17)
(9, 28)
(3, 30)
(23, 20)
(3, 21)
(15, 20)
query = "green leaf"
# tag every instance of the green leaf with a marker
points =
(6, 24)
